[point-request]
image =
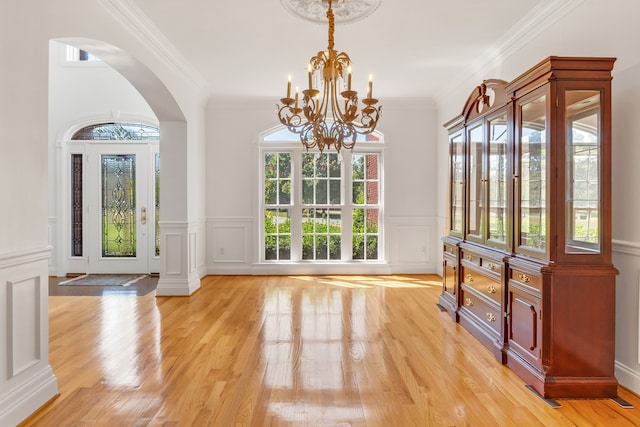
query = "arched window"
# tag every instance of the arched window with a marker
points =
(323, 207)
(115, 131)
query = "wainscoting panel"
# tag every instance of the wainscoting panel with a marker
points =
(23, 315)
(26, 379)
(412, 245)
(229, 245)
(173, 257)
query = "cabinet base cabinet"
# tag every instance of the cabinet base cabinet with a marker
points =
(561, 342)
(557, 387)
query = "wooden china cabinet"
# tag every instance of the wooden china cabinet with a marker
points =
(527, 256)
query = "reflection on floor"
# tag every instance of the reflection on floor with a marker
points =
(139, 288)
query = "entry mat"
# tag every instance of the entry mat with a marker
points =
(103, 280)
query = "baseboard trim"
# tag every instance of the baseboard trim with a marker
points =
(19, 403)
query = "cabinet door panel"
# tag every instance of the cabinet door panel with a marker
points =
(525, 325)
(456, 196)
(449, 277)
(497, 180)
(531, 237)
(475, 201)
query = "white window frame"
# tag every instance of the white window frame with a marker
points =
(347, 206)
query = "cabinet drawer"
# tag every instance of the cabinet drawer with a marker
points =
(481, 283)
(471, 258)
(526, 279)
(450, 249)
(491, 265)
(486, 312)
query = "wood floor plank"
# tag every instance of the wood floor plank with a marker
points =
(369, 351)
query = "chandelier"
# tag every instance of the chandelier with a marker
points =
(329, 116)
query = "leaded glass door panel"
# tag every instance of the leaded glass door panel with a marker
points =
(121, 209)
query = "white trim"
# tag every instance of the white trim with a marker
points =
(13, 259)
(627, 377)
(541, 17)
(133, 19)
(623, 247)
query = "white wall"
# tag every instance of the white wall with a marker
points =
(233, 132)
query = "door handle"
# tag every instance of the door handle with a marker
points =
(143, 215)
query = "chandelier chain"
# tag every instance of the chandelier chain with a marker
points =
(331, 19)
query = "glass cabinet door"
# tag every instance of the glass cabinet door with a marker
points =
(532, 227)
(583, 165)
(497, 179)
(457, 185)
(476, 183)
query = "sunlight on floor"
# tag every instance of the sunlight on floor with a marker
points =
(394, 281)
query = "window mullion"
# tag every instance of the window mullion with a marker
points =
(296, 205)
(347, 207)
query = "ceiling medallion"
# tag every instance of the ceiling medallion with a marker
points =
(344, 10)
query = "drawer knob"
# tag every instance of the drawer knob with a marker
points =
(524, 278)
(491, 317)
(492, 266)
(468, 302)
(470, 257)
(491, 289)
(469, 277)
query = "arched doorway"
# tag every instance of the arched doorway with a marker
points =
(110, 213)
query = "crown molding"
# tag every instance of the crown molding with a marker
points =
(132, 18)
(538, 20)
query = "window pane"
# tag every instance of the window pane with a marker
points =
(358, 166)
(334, 192)
(308, 161)
(365, 233)
(270, 247)
(118, 132)
(334, 247)
(118, 206)
(372, 192)
(358, 193)
(322, 166)
(322, 229)
(157, 205)
(321, 192)
(76, 205)
(334, 166)
(277, 178)
(284, 165)
(270, 165)
(277, 234)
(285, 192)
(307, 192)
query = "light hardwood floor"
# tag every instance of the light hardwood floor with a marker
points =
(289, 351)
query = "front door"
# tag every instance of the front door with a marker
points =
(121, 208)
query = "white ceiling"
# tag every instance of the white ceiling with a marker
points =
(412, 47)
